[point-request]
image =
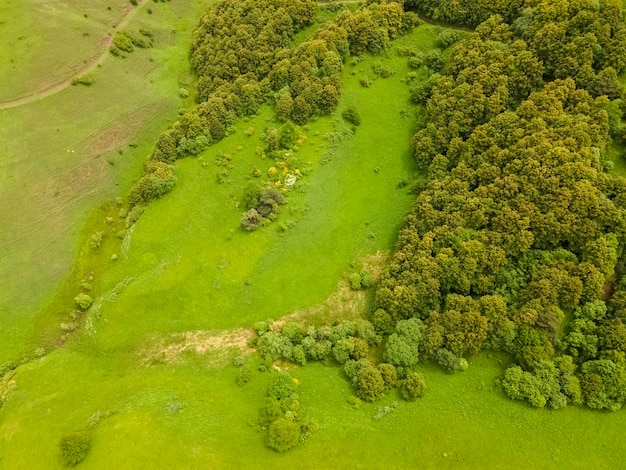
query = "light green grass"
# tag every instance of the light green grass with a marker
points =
(461, 422)
(44, 42)
(59, 157)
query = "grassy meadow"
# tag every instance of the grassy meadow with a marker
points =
(70, 151)
(149, 375)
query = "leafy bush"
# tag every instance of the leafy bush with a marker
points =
(434, 60)
(355, 281)
(83, 301)
(74, 448)
(352, 116)
(413, 386)
(251, 220)
(123, 41)
(450, 362)
(283, 435)
(158, 180)
(283, 387)
(86, 80)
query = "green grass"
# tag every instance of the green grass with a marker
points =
(462, 421)
(64, 154)
(42, 43)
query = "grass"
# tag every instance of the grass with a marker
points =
(45, 42)
(194, 415)
(66, 153)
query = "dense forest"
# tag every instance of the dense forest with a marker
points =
(516, 237)
(515, 240)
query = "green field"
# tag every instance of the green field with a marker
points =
(149, 375)
(70, 151)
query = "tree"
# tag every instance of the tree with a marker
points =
(74, 448)
(413, 386)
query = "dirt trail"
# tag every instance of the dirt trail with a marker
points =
(90, 67)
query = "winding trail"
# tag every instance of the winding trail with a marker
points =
(62, 85)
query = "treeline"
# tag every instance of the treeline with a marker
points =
(518, 227)
(243, 55)
(352, 345)
(573, 39)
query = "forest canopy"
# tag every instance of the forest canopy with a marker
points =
(518, 227)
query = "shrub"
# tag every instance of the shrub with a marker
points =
(158, 180)
(74, 448)
(389, 374)
(415, 62)
(352, 116)
(413, 386)
(294, 332)
(446, 38)
(434, 60)
(382, 70)
(367, 380)
(244, 376)
(282, 388)
(123, 42)
(366, 279)
(250, 220)
(283, 435)
(83, 301)
(86, 80)
(449, 361)
(355, 281)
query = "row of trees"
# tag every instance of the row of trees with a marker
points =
(518, 226)
(352, 345)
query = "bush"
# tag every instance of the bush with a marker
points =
(434, 60)
(355, 281)
(158, 180)
(123, 42)
(414, 386)
(74, 448)
(282, 388)
(446, 38)
(250, 220)
(243, 376)
(283, 435)
(86, 80)
(352, 116)
(83, 301)
(449, 361)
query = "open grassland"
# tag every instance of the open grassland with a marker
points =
(44, 43)
(186, 266)
(64, 154)
(193, 415)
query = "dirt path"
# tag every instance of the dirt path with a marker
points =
(57, 87)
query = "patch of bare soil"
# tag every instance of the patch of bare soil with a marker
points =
(215, 343)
